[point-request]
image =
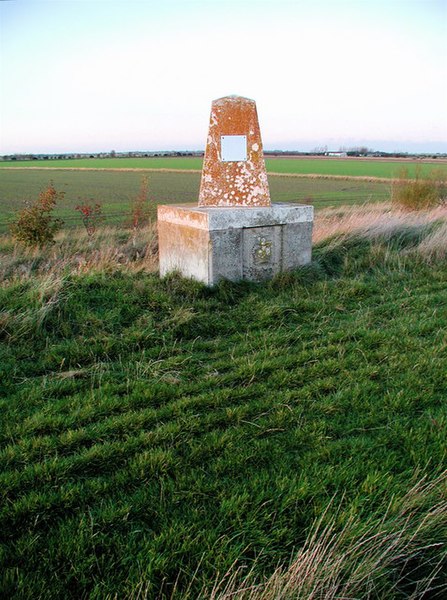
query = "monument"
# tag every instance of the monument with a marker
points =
(235, 232)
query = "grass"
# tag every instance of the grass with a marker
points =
(349, 563)
(161, 439)
(116, 190)
(74, 252)
(338, 167)
(350, 168)
(185, 163)
(419, 193)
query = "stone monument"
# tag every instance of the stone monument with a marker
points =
(235, 232)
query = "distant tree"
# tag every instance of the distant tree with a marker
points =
(358, 151)
(319, 150)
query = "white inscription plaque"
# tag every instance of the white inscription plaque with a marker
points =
(233, 148)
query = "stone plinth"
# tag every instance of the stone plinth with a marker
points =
(209, 244)
(233, 168)
(235, 233)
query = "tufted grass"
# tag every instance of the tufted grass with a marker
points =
(160, 439)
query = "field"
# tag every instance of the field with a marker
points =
(329, 166)
(116, 189)
(158, 436)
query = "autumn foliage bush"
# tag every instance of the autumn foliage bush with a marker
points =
(92, 217)
(420, 193)
(35, 224)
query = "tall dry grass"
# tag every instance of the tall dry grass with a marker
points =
(422, 192)
(74, 252)
(46, 270)
(356, 561)
(119, 248)
(400, 554)
(381, 221)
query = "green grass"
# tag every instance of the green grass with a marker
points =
(352, 167)
(115, 190)
(153, 428)
(186, 163)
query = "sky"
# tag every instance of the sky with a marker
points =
(90, 76)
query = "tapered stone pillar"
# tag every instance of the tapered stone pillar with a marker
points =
(233, 169)
(235, 232)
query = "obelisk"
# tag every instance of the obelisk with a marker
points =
(235, 232)
(233, 168)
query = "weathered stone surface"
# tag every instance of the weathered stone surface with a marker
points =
(184, 249)
(235, 233)
(209, 244)
(262, 252)
(238, 217)
(230, 176)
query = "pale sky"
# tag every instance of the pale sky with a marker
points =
(86, 75)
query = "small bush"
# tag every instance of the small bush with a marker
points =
(35, 224)
(420, 193)
(92, 217)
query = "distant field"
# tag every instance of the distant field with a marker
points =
(351, 167)
(318, 166)
(116, 189)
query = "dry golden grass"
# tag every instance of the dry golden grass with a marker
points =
(434, 246)
(75, 252)
(352, 562)
(370, 218)
(381, 220)
(119, 248)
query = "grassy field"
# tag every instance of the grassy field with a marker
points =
(116, 189)
(156, 433)
(339, 167)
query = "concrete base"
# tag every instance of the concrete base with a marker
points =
(209, 244)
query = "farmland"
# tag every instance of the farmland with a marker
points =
(303, 166)
(116, 189)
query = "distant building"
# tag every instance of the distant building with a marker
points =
(340, 154)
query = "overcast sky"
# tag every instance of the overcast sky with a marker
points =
(86, 75)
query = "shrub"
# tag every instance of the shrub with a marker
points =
(420, 193)
(35, 224)
(140, 211)
(92, 217)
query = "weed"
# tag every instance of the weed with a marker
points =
(92, 217)
(139, 209)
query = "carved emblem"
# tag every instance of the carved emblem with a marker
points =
(262, 251)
